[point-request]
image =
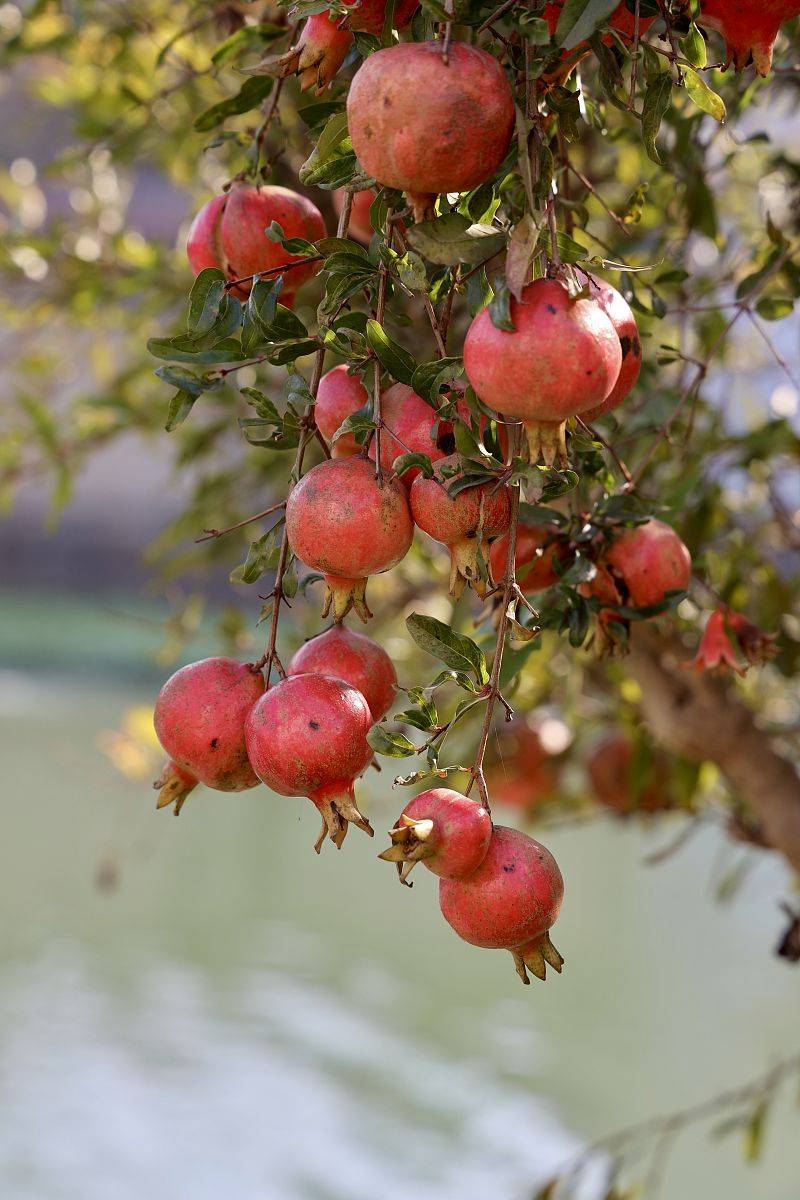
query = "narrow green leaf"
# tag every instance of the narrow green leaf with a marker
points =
(397, 361)
(205, 300)
(703, 96)
(455, 650)
(580, 18)
(657, 99)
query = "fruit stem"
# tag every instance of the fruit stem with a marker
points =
(380, 313)
(509, 589)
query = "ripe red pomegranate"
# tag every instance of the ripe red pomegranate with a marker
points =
(199, 720)
(447, 831)
(621, 316)
(535, 557)
(344, 654)
(340, 520)
(230, 233)
(411, 426)
(510, 902)
(647, 561)
(563, 357)
(360, 226)
(424, 126)
(339, 395)
(307, 736)
(749, 28)
(465, 523)
(622, 20)
(326, 39)
(613, 776)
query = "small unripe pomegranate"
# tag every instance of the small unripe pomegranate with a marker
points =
(339, 395)
(647, 561)
(326, 40)
(360, 226)
(562, 358)
(446, 831)
(412, 426)
(230, 232)
(621, 316)
(749, 27)
(465, 523)
(612, 774)
(342, 521)
(199, 720)
(510, 902)
(355, 658)
(427, 126)
(535, 557)
(307, 736)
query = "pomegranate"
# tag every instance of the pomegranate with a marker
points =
(749, 28)
(306, 736)
(427, 126)
(326, 40)
(622, 20)
(199, 720)
(344, 654)
(563, 357)
(535, 557)
(524, 772)
(447, 831)
(621, 316)
(647, 561)
(731, 642)
(613, 776)
(368, 16)
(230, 233)
(339, 395)
(465, 523)
(411, 426)
(360, 226)
(510, 902)
(342, 521)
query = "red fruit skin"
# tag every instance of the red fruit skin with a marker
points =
(320, 51)
(510, 901)
(230, 233)
(426, 127)
(524, 775)
(199, 720)
(621, 19)
(369, 15)
(650, 560)
(534, 557)
(611, 774)
(360, 226)
(355, 658)
(341, 521)
(306, 736)
(459, 839)
(621, 316)
(457, 521)
(749, 28)
(417, 429)
(339, 395)
(562, 358)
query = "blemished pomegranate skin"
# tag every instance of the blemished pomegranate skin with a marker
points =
(620, 314)
(357, 659)
(342, 521)
(649, 560)
(426, 126)
(465, 523)
(443, 829)
(510, 902)
(535, 556)
(229, 233)
(199, 720)
(562, 358)
(339, 396)
(412, 426)
(307, 736)
(749, 28)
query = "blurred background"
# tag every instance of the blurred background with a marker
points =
(201, 1007)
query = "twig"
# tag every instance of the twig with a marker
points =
(208, 534)
(380, 313)
(301, 262)
(495, 16)
(598, 437)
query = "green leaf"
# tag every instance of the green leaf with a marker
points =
(333, 138)
(397, 361)
(694, 47)
(657, 99)
(703, 96)
(521, 250)
(411, 271)
(245, 39)
(406, 462)
(185, 380)
(774, 308)
(429, 378)
(250, 95)
(180, 406)
(181, 349)
(580, 18)
(205, 300)
(455, 650)
(393, 745)
(500, 307)
(454, 239)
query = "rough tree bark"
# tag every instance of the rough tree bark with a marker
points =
(700, 718)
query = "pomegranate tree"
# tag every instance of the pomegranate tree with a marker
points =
(465, 522)
(562, 357)
(199, 720)
(344, 522)
(344, 654)
(230, 233)
(306, 736)
(426, 123)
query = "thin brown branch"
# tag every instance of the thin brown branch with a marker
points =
(209, 534)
